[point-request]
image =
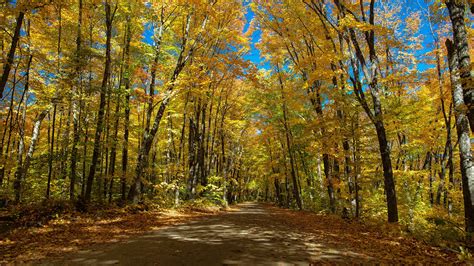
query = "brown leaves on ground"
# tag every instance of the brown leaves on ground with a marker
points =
(73, 231)
(385, 245)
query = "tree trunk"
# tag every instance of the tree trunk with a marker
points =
(389, 183)
(316, 102)
(113, 151)
(22, 170)
(356, 159)
(103, 91)
(202, 153)
(75, 108)
(462, 126)
(289, 145)
(456, 10)
(11, 53)
(51, 153)
(358, 59)
(193, 149)
(126, 81)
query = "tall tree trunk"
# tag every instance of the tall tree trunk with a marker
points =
(58, 67)
(296, 192)
(22, 169)
(462, 126)
(371, 74)
(202, 152)
(356, 159)
(85, 109)
(64, 153)
(113, 150)
(75, 107)
(84, 159)
(142, 160)
(126, 81)
(105, 152)
(103, 91)
(51, 152)
(193, 149)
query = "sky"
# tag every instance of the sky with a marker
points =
(254, 54)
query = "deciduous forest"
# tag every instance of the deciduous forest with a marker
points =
(352, 118)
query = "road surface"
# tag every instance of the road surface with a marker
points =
(251, 234)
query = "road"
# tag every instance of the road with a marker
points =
(250, 235)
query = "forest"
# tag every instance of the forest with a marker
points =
(356, 110)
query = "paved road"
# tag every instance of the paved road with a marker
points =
(252, 235)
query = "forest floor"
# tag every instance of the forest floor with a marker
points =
(248, 233)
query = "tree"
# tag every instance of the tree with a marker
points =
(462, 126)
(75, 105)
(371, 73)
(109, 18)
(22, 169)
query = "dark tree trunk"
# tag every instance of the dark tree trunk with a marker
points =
(113, 150)
(389, 184)
(51, 153)
(11, 53)
(22, 168)
(294, 178)
(75, 108)
(330, 187)
(276, 182)
(103, 91)
(202, 152)
(192, 160)
(356, 160)
(126, 81)
(10, 120)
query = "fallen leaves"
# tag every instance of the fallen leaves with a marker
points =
(383, 244)
(72, 232)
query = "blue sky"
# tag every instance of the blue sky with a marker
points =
(254, 54)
